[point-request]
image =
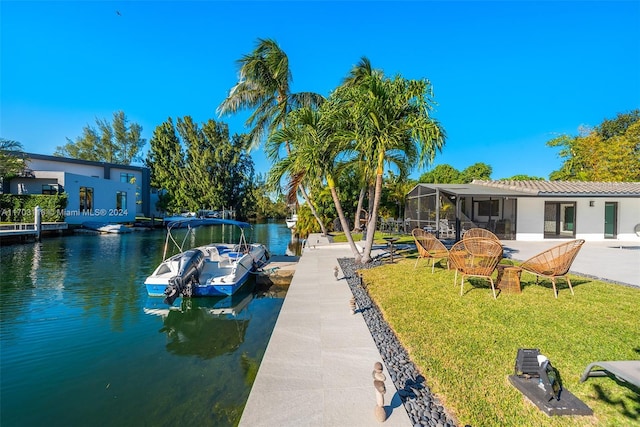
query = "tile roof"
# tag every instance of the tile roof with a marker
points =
(585, 188)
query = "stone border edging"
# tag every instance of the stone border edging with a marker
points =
(423, 408)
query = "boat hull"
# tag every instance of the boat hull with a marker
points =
(206, 290)
(222, 272)
(104, 227)
(291, 222)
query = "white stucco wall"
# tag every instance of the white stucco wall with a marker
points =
(628, 218)
(104, 200)
(50, 165)
(589, 221)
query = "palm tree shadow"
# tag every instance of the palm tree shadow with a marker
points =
(630, 411)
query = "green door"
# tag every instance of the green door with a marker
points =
(569, 218)
(610, 220)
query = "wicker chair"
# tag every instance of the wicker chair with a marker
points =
(554, 263)
(479, 232)
(475, 257)
(429, 247)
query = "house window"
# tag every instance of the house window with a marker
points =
(559, 219)
(86, 199)
(50, 189)
(489, 208)
(129, 178)
(121, 200)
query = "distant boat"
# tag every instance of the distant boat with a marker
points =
(292, 220)
(106, 227)
(216, 269)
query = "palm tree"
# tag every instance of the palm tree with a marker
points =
(264, 87)
(317, 144)
(390, 120)
(12, 158)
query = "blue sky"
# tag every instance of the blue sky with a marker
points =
(508, 76)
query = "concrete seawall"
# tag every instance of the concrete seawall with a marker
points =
(317, 369)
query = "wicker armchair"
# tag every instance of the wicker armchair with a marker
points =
(475, 257)
(479, 232)
(429, 247)
(554, 263)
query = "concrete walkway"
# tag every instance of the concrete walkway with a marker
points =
(317, 369)
(612, 260)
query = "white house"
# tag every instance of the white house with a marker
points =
(96, 191)
(529, 210)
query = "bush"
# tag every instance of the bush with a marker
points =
(20, 207)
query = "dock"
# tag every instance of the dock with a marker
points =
(30, 229)
(279, 270)
(317, 368)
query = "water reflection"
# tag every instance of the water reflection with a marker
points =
(77, 348)
(204, 327)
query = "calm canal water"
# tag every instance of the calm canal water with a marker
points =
(82, 344)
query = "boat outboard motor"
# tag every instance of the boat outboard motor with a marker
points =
(188, 273)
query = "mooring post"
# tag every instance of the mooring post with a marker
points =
(37, 221)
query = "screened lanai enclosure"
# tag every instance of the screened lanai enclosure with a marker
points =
(448, 210)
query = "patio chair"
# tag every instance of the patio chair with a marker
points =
(479, 232)
(625, 370)
(429, 247)
(554, 263)
(475, 257)
(446, 230)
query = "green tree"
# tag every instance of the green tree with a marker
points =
(390, 118)
(201, 167)
(394, 195)
(166, 162)
(264, 87)
(268, 203)
(523, 178)
(480, 171)
(442, 174)
(314, 149)
(609, 152)
(117, 142)
(12, 158)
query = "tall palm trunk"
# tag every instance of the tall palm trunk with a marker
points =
(371, 227)
(356, 221)
(343, 219)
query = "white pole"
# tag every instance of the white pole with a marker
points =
(37, 221)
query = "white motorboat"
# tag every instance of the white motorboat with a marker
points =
(216, 269)
(291, 221)
(106, 227)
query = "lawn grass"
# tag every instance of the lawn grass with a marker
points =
(378, 238)
(465, 346)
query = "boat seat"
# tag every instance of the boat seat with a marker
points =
(213, 254)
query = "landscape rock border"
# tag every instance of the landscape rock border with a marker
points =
(424, 409)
